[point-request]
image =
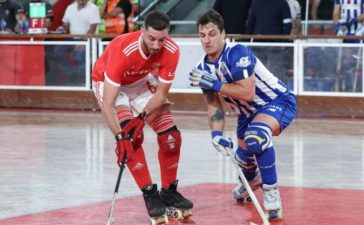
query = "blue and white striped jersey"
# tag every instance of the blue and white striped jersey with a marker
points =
(238, 62)
(351, 9)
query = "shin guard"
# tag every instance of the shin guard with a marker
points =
(139, 168)
(169, 151)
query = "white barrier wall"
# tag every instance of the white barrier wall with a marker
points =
(308, 68)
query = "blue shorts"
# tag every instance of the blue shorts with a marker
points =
(283, 109)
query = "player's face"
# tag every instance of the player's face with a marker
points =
(81, 3)
(153, 40)
(212, 39)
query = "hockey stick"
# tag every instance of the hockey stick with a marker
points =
(249, 190)
(110, 218)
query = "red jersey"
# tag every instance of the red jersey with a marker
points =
(123, 62)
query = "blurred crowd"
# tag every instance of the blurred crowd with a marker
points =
(68, 16)
(116, 16)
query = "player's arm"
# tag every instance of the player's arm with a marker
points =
(216, 121)
(241, 89)
(109, 111)
(215, 110)
(336, 13)
(92, 29)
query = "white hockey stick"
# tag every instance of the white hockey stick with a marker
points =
(110, 218)
(248, 189)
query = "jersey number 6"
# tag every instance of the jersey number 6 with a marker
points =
(151, 87)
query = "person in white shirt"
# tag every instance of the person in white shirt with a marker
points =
(81, 17)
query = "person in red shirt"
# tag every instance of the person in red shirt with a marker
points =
(131, 81)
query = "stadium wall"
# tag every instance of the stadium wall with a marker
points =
(308, 106)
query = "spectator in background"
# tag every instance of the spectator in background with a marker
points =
(10, 11)
(270, 18)
(295, 10)
(81, 17)
(235, 14)
(118, 16)
(348, 17)
(322, 10)
(59, 8)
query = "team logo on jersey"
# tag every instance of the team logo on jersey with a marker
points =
(223, 68)
(243, 62)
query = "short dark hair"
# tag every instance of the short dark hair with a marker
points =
(210, 16)
(157, 20)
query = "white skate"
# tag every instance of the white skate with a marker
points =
(272, 202)
(240, 193)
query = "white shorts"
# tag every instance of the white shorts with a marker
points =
(135, 95)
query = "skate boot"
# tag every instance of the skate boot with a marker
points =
(240, 193)
(155, 206)
(178, 207)
(272, 202)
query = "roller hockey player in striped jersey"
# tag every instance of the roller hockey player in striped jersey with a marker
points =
(264, 106)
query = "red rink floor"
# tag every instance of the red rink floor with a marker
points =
(213, 204)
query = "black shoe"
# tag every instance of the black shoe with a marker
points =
(153, 202)
(171, 197)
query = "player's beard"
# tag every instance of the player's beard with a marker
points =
(149, 51)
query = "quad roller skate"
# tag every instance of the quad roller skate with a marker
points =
(272, 202)
(240, 193)
(178, 207)
(155, 206)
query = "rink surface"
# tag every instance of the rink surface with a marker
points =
(59, 168)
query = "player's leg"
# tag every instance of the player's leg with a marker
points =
(138, 166)
(169, 141)
(140, 172)
(258, 140)
(248, 165)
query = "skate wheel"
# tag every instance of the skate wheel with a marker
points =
(274, 214)
(249, 199)
(177, 214)
(186, 213)
(169, 212)
(159, 220)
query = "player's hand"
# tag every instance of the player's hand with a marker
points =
(124, 148)
(220, 143)
(201, 78)
(134, 128)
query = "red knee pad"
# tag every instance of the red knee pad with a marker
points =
(170, 141)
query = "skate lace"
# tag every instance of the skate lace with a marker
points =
(271, 196)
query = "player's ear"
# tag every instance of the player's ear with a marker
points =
(223, 35)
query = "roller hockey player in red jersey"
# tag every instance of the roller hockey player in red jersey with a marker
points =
(131, 81)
